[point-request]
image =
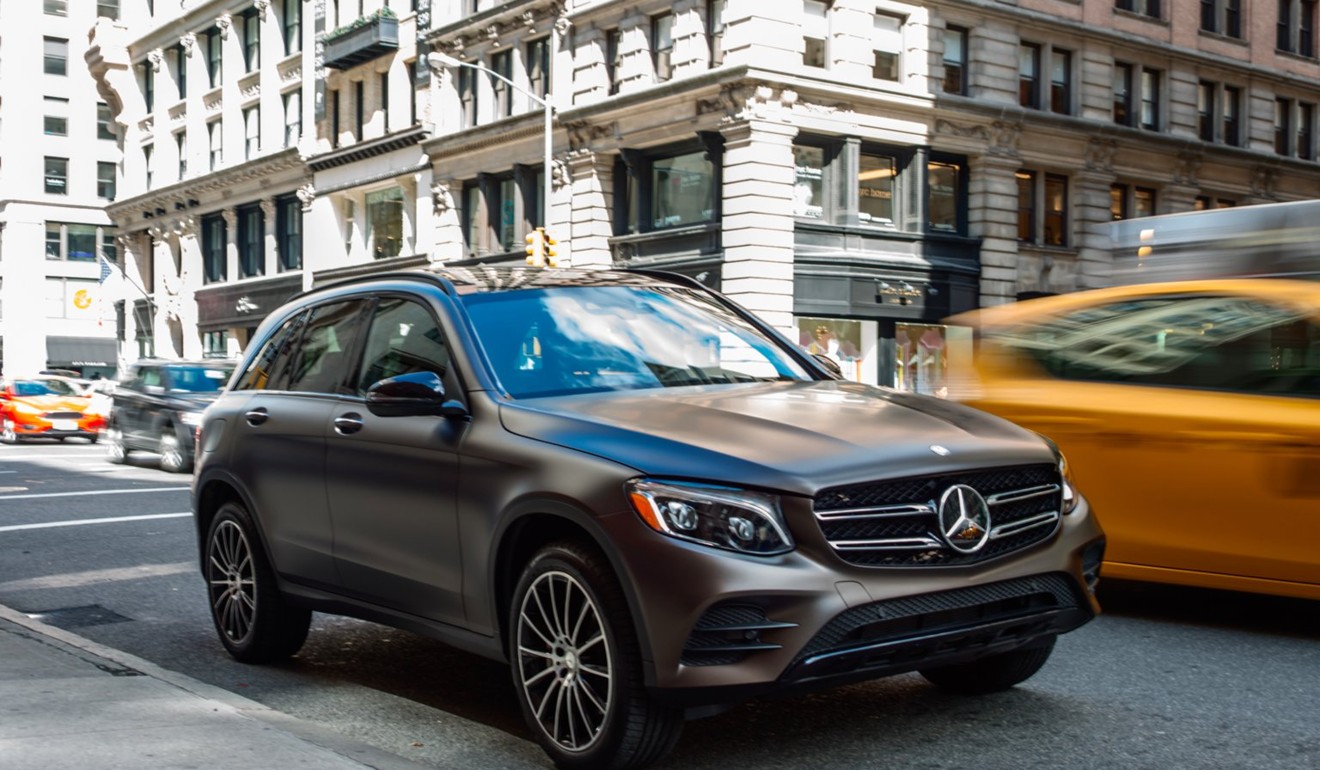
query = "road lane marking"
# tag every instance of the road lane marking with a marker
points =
(80, 579)
(81, 522)
(19, 458)
(95, 492)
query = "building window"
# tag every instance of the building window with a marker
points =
(108, 9)
(215, 344)
(359, 109)
(385, 101)
(472, 218)
(292, 118)
(682, 190)
(105, 180)
(57, 176)
(1061, 81)
(501, 64)
(334, 116)
(955, 60)
(385, 223)
(815, 32)
(1232, 115)
(1283, 109)
(55, 57)
(56, 120)
(1207, 94)
(467, 95)
(1029, 75)
(181, 70)
(1150, 99)
(503, 203)
(1123, 94)
(181, 145)
(216, 135)
(148, 86)
(288, 231)
(715, 31)
(875, 190)
(1126, 201)
(944, 207)
(56, 7)
(1223, 17)
(662, 46)
(809, 164)
(1149, 8)
(1296, 27)
(611, 59)
(292, 23)
(251, 132)
(214, 64)
(74, 242)
(251, 239)
(1042, 208)
(104, 122)
(251, 41)
(1218, 108)
(1306, 131)
(1206, 202)
(886, 46)
(538, 67)
(214, 249)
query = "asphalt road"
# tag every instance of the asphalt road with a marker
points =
(1166, 678)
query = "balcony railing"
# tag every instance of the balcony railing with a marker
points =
(361, 41)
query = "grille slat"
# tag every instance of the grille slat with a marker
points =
(894, 523)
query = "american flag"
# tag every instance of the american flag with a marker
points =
(105, 268)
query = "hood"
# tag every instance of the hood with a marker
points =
(54, 403)
(790, 436)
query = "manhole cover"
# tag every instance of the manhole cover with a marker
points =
(78, 617)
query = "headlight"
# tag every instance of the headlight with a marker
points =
(1070, 498)
(192, 419)
(27, 409)
(721, 517)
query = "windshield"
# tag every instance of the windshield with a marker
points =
(32, 388)
(198, 379)
(573, 339)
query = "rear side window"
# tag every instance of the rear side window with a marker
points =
(258, 375)
(403, 339)
(326, 353)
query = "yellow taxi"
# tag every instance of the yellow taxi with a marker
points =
(1189, 413)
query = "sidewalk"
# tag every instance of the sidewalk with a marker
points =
(67, 702)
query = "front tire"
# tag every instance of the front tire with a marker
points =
(577, 665)
(993, 673)
(253, 620)
(171, 453)
(8, 433)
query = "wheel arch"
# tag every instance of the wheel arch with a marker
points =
(211, 494)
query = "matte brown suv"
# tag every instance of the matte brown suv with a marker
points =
(646, 500)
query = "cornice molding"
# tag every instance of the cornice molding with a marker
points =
(368, 149)
(125, 212)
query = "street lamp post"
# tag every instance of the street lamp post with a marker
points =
(437, 60)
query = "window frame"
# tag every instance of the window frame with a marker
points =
(960, 64)
(56, 168)
(215, 248)
(250, 237)
(1036, 212)
(291, 26)
(215, 57)
(816, 46)
(106, 188)
(1150, 9)
(288, 232)
(501, 63)
(895, 62)
(1222, 17)
(251, 27)
(53, 61)
(662, 46)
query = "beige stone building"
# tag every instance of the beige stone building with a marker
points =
(854, 171)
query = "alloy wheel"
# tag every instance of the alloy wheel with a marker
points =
(171, 456)
(231, 581)
(564, 663)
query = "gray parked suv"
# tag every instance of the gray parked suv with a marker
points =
(646, 500)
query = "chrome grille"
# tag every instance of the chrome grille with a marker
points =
(894, 523)
(63, 415)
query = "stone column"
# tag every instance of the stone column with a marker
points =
(593, 191)
(994, 187)
(1091, 211)
(230, 216)
(270, 239)
(757, 218)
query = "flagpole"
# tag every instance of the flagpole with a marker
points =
(151, 304)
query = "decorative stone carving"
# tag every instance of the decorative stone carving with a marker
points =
(582, 134)
(562, 24)
(263, 7)
(231, 219)
(155, 57)
(223, 22)
(1187, 168)
(306, 194)
(493, 34)
(559, 175)
(1004, 138)
(943, 126)
(183, 227)
(268, 209)
(1263, 181)
(442, 199)
(529, 20)
(1100, 154)
(188, 42)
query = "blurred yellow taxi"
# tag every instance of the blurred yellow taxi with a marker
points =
(1189, 414)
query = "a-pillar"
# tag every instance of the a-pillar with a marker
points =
(757, 218)
(592, 177)
(994, 187)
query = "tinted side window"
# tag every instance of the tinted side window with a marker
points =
(329, 344)
(1219, 343)
(404, 338)
(258, 374)
(150, 377)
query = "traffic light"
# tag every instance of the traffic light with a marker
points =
(548, 248)
(536, 247)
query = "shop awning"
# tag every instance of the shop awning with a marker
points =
(81, 351)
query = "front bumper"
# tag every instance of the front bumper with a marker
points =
(719, 627)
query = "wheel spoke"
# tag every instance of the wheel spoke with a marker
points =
(540, 709)
(545, 617)
(554, 610)
(531, 626)
(603, 673)
(595, 640)
(535, 653)
(581, 710)
(591, 695)
(538, 677)
(559, 710)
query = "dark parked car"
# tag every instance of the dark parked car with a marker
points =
(646, 500)
(158, 405)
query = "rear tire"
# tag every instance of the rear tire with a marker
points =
(115, 451)
(577, 665)
(8, 434)
(993, 673)
(255, 623)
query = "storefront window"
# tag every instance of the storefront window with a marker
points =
(385, 223)
(682, 190)
(809, 190)
(944, 181)
(508, 230)
(850, 343)
(875, 190)
(931, 358)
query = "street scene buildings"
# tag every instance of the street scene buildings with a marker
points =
(853, 171)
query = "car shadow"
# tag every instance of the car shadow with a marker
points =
(1238, 611)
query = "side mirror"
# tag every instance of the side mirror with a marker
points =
(829, 365)
(412, 394)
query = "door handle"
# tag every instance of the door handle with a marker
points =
(257, 416)
(348, 423)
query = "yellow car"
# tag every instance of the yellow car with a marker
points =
(1190, 417)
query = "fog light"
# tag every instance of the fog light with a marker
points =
(1092, 558)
